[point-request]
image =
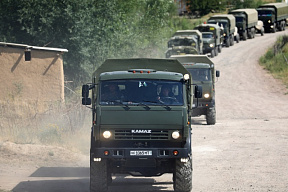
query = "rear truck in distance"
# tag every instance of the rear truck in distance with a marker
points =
(185, 42)
(212, 36)
(228, 23)
(141, 121)
(274, 16)
(203, 73)
(246, 21)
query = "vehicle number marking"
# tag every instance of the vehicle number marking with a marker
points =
(140, 153)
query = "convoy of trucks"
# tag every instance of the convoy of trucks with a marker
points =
(142, 108)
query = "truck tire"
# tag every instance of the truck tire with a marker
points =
(182, 176)
(99, 176)
(244, 35)
(219, 48)
(274, 28)
(212, 53)
(216, 51)
(232, 40)
(211, 116)
(228, 42)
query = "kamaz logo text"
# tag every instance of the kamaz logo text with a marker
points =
(141, 131)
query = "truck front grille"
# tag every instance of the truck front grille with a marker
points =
(154, 135)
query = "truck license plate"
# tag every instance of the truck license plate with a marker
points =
(140, 153)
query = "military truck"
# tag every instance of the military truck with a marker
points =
(246, 21)
(274, 16)
(185, 42)
(228, 23)
(135, 129)
(203, 73)
(212, 38)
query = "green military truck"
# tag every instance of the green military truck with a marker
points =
(274, 16)
(141, 110)
(246, 22)
(212, 36)
(228, 23)
(203, 73)
(185, 42)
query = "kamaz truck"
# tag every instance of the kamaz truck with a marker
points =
(246, 22)
(141, 121)
(228, 23)
(203, 73)
(185, 42)
(212, 36)
(274, 16)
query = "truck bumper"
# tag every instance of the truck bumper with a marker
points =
(130, 153)
(202, 108)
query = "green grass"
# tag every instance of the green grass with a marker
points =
(276, 60)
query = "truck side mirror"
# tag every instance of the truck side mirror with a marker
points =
(198, 91)
(85, 95)
(217, 73)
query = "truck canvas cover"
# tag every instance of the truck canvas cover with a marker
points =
(251, 14)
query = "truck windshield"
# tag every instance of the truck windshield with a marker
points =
(200, 74)
(181, 42)
(206, 36)
(141, 92)
(265, 13)
(239, 19)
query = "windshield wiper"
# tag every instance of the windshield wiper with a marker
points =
(162, 103)
(119, 102)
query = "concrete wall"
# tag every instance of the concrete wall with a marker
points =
(41, 79)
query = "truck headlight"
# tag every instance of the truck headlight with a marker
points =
(107, 134)
(211, 45)
(175, 134)
(186, 76)
(206, 95)
(269, 21)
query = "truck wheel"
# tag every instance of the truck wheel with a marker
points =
(216, 51)
(99, 176)
(211, 116)
(219, 48)
(249, 35)
(212, 53)
(262, 32)
(182, 176)
(274, 28)
(228, 42)
(232, 40)
(244, 36)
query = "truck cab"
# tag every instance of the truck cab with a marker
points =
(141, 110)
(185, 42)
(203, 73)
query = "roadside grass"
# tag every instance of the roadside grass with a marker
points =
(276, 60)
(64, 125)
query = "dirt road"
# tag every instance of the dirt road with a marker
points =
(245, 151)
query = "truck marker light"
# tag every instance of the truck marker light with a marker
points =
(175, 134)
(107, 134)
(175, 152)
(141, 71)
(106, 153)
(134, 71)
(148, 72)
